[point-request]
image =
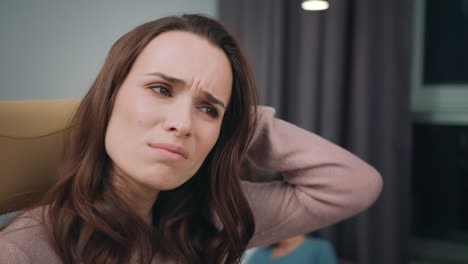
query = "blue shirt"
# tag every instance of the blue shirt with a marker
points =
(311, 251)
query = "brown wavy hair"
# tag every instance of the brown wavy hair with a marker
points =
(205, 220)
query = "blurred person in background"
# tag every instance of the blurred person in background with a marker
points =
(300, 249)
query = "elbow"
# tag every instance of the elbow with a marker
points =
(368, 189)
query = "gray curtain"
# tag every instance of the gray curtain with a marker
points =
(344, 74)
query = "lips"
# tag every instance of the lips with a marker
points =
(171, 148)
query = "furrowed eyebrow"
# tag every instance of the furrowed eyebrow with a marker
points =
(213, 99)
(168, 78)
(175, 80)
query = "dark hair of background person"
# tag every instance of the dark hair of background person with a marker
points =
(205, 220)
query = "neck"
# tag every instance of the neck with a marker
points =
(286, 246)
(290, 243)
(140, 198)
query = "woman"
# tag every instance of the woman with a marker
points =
(154, 155)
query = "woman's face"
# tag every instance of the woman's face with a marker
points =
(167, 114)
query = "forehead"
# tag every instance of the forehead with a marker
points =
(187, 56)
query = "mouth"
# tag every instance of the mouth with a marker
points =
(170, 149)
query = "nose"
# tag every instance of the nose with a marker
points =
(179, 120)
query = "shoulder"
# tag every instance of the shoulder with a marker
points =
(24, 224)
(323, 249)
(26, 239)
(318, 243)
(11, 253)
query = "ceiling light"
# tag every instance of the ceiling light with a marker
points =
(315, 5)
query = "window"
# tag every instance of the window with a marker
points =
(440, 61)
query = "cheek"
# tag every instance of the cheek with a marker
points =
(139, 117)
(126, 125)
(134, 107)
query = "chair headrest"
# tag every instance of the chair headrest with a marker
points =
(31, 139)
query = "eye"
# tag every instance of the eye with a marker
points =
(160, 89)
(211, 111)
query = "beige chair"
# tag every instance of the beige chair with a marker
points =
(31, 138)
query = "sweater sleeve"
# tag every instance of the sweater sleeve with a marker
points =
(11, 254)
(323, 183)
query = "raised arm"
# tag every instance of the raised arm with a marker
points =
(323, 183)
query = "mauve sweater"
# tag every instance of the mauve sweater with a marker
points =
(323, 184)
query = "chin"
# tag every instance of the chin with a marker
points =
(165, 182)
